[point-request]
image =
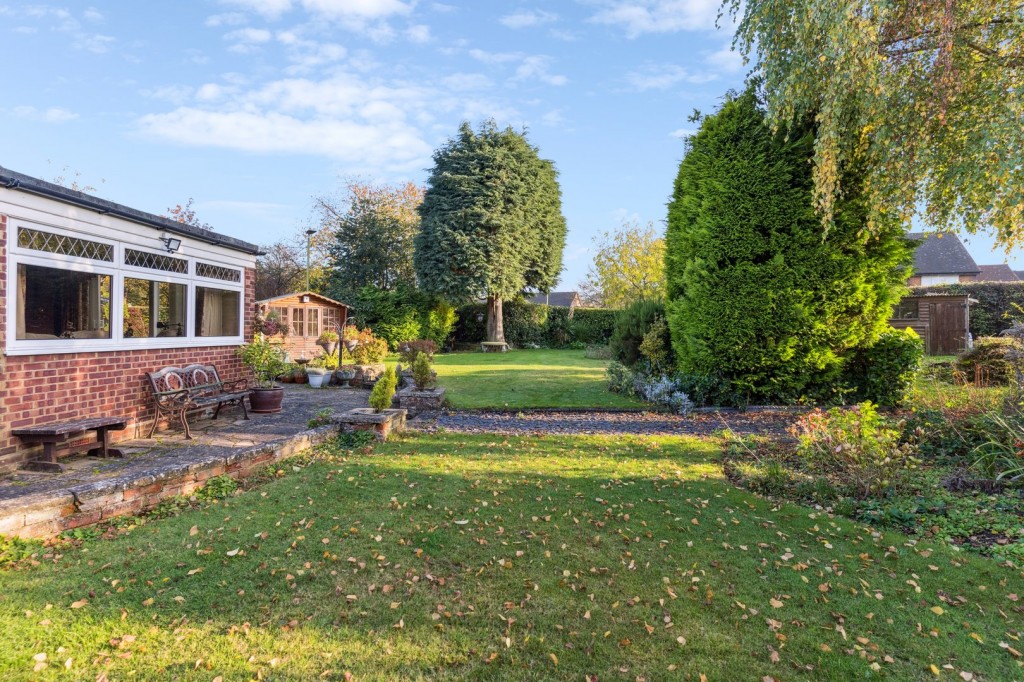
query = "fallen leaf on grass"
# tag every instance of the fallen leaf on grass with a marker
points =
(79, 604)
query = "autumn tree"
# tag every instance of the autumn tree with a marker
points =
(756, 298)
(492, 221)
(279, 270)
(926, 94)
(369, 232)
(187, 216)
(629, 265)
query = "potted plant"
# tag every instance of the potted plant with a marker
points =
(328, 340)
(316, 370)
(270, 324)
(265, 361)
(345, 375)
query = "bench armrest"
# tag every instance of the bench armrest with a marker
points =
(235, 385)
(174, 398)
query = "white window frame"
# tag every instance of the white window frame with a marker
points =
(118, 271)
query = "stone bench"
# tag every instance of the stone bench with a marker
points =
(493, 346)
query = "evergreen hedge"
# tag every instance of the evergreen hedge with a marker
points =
(757, 294)
(527, 323)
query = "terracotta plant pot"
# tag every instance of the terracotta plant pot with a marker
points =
(266, 400)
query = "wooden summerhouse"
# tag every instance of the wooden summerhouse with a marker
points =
(306, 315)
(941, 320)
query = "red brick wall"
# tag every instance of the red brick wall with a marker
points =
(45, 388)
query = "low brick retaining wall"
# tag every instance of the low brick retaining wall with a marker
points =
(46, 514)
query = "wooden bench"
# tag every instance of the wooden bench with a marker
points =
(180, 390)
(493, 346)
(55, 439)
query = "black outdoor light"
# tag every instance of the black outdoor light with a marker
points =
(172, 244)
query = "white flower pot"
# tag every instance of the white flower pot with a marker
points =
(317, 380)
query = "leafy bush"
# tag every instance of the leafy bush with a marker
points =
(322, 418)
(631, 326)
(754, 291)
(528, 325)
(883, 373)
(1002, 456)
(856, 445)
(592, 325)
(422, 375)
(384, 390)
(620, 378)
(440, 321)
(599, 352)
(264, 359)
(662, 390)
(408, 351)
(217, 488)
(656, 348)
(992, 360)
(14, 550)
(370, 349)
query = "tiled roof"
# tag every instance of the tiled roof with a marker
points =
(1000, 272)
(942, 254)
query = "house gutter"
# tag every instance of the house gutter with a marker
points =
(24, 183)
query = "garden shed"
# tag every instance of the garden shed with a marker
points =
(306, 314)
(94, 294)
(941, 320)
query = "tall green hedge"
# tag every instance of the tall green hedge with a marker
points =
(526, 323)
(758, 295)
(996, 307)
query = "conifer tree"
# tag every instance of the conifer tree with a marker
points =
(491, 221)
(756, 294)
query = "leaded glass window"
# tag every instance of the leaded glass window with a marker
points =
(50, 242)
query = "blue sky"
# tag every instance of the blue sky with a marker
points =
(252, 107)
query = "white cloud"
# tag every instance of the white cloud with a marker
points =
(528, 18)
(344, 117)
(725, 60)
(536, 68)
(683, 132)
(364, 9)
(209, 92)
(175, 94)
(637, 17)
(93, 42)
(270, 9)
(92, 14)
(419, 34)
(51, 115)
(553, 118)
(494, 57)
(245, 40)
(226, 19)
(466, 81)
(662, 77)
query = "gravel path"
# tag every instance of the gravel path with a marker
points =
(606, 423)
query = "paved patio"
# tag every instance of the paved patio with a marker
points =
(166, 464)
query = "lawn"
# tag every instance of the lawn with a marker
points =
(527, 378)
(535, 558)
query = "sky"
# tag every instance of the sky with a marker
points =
(254, 107)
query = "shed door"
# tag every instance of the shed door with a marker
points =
(948, 327)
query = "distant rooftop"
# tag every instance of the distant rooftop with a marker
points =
(1000, 272)
(25, 183)
(942, 254)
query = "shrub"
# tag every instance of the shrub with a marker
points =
(884, 372)
(599, 352)
(656, 348)
(1002, 456)
(754, 291)
(662, 390)
(440, 321)
(528, 325)
(991, 361)
(384, 390)
(631, 326)
(422, 375)
(370, 349)
(858, 446)
(592, 325)
(620, 378)
(410, 350)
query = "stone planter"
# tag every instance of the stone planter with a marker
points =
(414, 401)
(381, 424)
(367, 375)
(344, 376)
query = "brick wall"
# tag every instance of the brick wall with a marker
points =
(44, 388)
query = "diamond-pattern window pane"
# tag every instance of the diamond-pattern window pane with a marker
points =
(154, 261)
(37, 240)
(218, 272)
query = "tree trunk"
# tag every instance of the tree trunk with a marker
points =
(495, 328)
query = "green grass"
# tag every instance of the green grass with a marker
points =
(527, 378)
(483, 558)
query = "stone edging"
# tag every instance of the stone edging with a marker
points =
(45, 515)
